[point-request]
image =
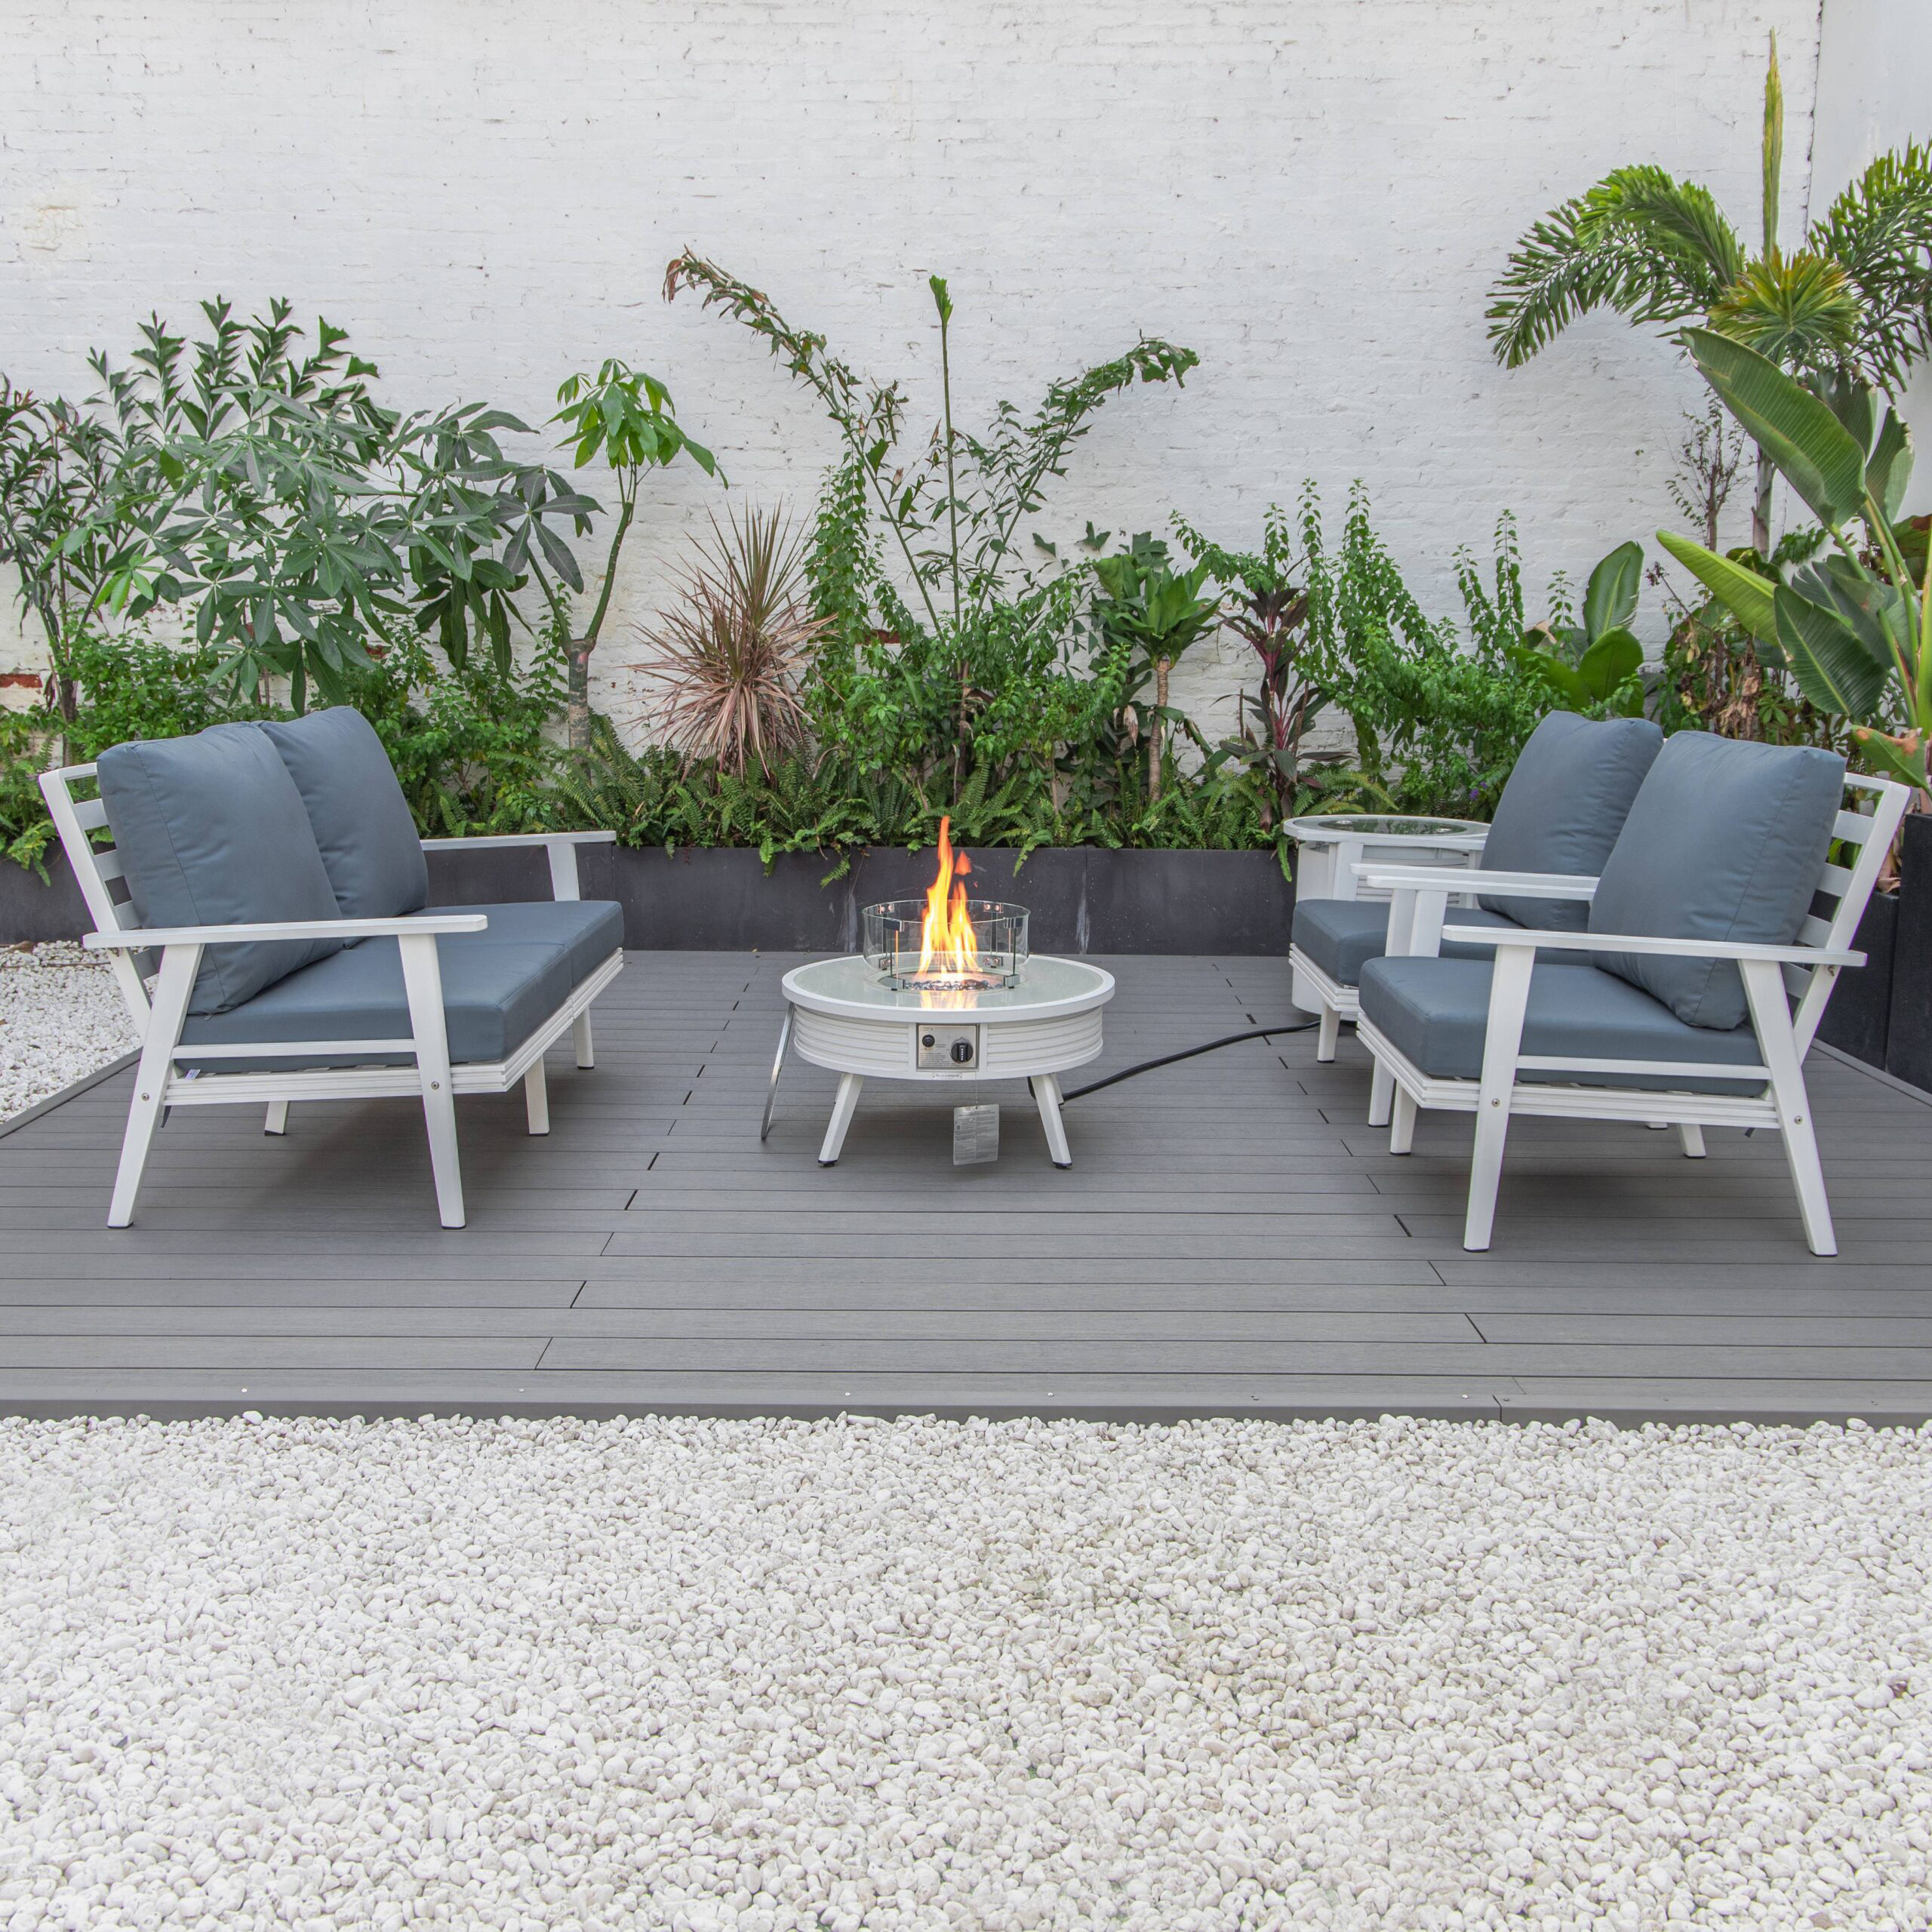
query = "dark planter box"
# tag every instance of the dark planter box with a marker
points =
(1858, 1020)
(1082, 899)
(1908, 1032)
(32, 908)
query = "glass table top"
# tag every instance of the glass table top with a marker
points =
(1379, 825)
(853, 981)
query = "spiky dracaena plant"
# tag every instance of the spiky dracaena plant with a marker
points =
(728, 656)
(1855, 300)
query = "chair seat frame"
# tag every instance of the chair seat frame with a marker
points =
(1773, 975)
(157, 1001)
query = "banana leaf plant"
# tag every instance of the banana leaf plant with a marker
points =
(1854, 627)
(1145, 605)
(1594, 666)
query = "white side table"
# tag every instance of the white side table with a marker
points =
(1328, 849)
(839, 1015)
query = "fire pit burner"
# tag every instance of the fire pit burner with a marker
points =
(946, 942)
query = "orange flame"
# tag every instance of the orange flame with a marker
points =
(947, 948)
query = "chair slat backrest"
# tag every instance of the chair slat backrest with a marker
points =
(97, 869)
(1869, 828)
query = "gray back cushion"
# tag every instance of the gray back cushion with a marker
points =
(1727, 841)
(1564, 805)
(212, 832)
(368, 841)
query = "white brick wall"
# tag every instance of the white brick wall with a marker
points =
(1315, 194)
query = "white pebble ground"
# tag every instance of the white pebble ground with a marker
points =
(61, 1017)
(855, 1675)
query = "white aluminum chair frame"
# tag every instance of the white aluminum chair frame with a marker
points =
(160, 1015)
(1772, 974)
(1339, 1002)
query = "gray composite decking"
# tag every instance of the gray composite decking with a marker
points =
(1232, 1239)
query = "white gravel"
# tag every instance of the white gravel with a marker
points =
(854, 1674)
(61, 1017)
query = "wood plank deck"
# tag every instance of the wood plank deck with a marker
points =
(1231, 1240)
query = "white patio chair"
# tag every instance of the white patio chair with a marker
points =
(1564, 804)
(413, 1060)
(1498, 1041)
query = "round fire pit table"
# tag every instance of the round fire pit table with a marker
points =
(839, 1014)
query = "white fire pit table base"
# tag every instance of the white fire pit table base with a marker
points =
(839, 1014)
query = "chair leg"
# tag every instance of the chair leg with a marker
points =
(1331, 1032)
(179, 965)
(1485, 1176)
(422, 980)
(586, 1057)
(1401, 1122)
(277, 1117)
(1771, 1016)
(1692, 1138)
(1381, 1091)
(536, 1099)
(1502, 1040)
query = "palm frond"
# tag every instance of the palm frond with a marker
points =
(1879, 231)
(1654, 249)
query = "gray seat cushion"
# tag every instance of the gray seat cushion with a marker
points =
(1435, 1012)
(589, 930)
(497, 992)
(363, 829)
(1727, 841)
(1341, 936)
(1563, 808)
(212, 831)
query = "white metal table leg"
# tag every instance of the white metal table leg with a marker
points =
(842, 1111)
(536, 1099)
(777, 1068)
(1047, 1095)
(1401, 1122)
(277, 1117)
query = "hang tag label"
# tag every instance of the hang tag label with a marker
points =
(975, 1135)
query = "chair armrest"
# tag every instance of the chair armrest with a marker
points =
(1680, 948)
(560, 847)
(1449, 878)
(508, 840)
(144, 940)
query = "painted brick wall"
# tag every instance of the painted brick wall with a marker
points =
(1315, 194)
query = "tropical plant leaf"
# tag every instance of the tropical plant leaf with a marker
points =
(1829, 659)
(1889, 469)
(1800, 310)
(1811, 449)
(1614, 657)
(1615, 584)
(1746, 594)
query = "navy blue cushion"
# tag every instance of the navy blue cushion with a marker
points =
(588, 930)
(1341, 936)
(497, 992)
(363, 829)
(1435, 1013)
(1727, 841)
(212, 831)
(1563, 808)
